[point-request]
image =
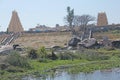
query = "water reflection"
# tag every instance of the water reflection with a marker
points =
(111, 74)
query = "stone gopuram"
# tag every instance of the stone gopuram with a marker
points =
(102, 19)
(15, 24)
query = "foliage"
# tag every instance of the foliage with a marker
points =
(92, 55)
(32, 54)
(14, 69)
(66, 55)
(42, 52)
(80, 63)
(15, 59)
(69, 18)
(95, 56)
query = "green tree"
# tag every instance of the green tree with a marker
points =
(69, 18)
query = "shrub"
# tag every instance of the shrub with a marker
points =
(14, 69)
(42, 52)
(3, 66)
(92, 56)
(32, 54)
(15, 59)
(65, 56)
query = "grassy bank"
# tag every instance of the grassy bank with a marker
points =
(73, 67)
(85, 61)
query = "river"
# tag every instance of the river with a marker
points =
(111, 74)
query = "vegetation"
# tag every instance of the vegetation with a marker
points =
(69, 18)
(15, 59)
(79, 61)
(82, 21)
(32, 54)
(95, 65)
(42, 52)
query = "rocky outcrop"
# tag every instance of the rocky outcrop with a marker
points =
(116, 44)
(73, 42)
(89, 43)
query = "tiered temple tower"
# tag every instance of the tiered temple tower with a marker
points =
(15, 24)
(102, 19)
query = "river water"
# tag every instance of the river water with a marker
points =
(111, 74)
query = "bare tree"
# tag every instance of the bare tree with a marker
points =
(76, 20)
(83, 20)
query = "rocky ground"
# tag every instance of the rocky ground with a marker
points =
(37, 40)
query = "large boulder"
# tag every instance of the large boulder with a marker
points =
(89, 43)
(73, 42)
(116, 44)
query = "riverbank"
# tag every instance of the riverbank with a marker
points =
(76, 66)
(87, 62)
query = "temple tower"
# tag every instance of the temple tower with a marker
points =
(102, 19)
(15, 24)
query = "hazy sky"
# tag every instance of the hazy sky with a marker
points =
(51, 12)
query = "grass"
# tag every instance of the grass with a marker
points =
(38, 68)
(72, 66)
(112, 34)
(95, 65)
(52, 64)
(36, 40)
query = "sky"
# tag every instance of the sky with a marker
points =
(52, 12)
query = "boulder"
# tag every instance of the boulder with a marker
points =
(88, 43)
(56, 47)
(73, 42)
(116, 44)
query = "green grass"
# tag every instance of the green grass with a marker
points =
(52, 64)
(39, 68)
(95, 65)
(73, 66)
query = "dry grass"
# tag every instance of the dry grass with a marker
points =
(111, 36)
(2, 58)
(43, 39)
(36, 40)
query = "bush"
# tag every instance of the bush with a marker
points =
(92, 56)
(14, 69)
(15, 59)
(66, 56)
(42, 52)
(32, 54)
